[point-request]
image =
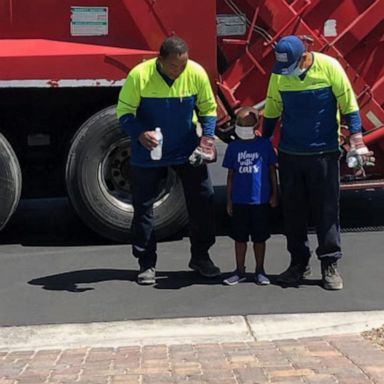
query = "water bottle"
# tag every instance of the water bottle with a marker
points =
(156, 152)
(352, 162)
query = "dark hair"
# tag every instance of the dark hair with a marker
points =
(245, 112)
(173, 45)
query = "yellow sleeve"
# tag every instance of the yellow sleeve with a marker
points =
(342, 89)
(206, 102)
(129, 96)
(273, 104)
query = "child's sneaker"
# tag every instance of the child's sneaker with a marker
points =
(234, 279)
(261, 279)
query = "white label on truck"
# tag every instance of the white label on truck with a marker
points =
(89, 21)
(374, 119)
(330, 28)
(231, 25)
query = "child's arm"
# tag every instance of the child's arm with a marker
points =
(273, 201)
(229, 191)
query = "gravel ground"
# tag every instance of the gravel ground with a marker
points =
(376, 335)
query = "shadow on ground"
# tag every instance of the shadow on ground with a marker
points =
(74, 281)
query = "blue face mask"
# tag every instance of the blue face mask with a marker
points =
(297, 71)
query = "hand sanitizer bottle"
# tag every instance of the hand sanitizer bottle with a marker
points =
(156, 152)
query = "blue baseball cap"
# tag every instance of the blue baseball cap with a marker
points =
(288, 51)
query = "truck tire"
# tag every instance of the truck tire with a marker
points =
(99, 186)
(10, 181)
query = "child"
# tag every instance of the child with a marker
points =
(251, 189)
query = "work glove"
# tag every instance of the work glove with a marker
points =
(204, 153)
(359, 155)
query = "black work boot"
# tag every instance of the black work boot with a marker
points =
(294, 274)
(331, 278)
(205, 267)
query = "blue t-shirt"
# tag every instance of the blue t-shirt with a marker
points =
(250, 161)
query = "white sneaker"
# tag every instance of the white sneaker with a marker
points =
(234, 279)
(147, 276)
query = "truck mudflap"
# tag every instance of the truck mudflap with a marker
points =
(10, 181)
(99, 183)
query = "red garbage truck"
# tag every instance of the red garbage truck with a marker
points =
(62, 64)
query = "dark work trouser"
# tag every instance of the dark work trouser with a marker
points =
(198, 192)
(310, 186)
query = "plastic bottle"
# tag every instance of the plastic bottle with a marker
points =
(157, 152)
(352, 162)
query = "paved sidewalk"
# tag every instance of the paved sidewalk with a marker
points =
(342, 359)
(318, 348)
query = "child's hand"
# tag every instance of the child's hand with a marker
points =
(274, 201)
(229, 208)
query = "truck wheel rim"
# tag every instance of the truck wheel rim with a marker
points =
(114, 177)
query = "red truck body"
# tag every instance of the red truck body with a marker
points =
(62, 64)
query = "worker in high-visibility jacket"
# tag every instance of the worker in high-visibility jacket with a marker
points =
(173, 93)
(309, 91)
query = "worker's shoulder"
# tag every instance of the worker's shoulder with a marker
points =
(327, 60)
(143, 67)
(195, 67)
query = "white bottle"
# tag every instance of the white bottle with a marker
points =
(156, 152)
(352, 162)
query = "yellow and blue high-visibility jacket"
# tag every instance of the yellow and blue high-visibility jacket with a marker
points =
(310, 107)
(148, 99)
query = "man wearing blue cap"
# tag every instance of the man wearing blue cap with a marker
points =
(309, 90)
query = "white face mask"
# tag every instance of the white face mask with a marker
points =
(297, 71)
(245, 133)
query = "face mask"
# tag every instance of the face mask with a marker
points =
(245, 133)
(297, 71)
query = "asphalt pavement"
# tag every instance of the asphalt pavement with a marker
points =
(54, 270)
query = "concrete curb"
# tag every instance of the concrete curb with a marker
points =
(133, 332)
(294, 326)
(187, 330)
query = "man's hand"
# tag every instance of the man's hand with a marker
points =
(357, 144)
(205, 152)
(148, 140)
(358, 162)
(359, 155)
